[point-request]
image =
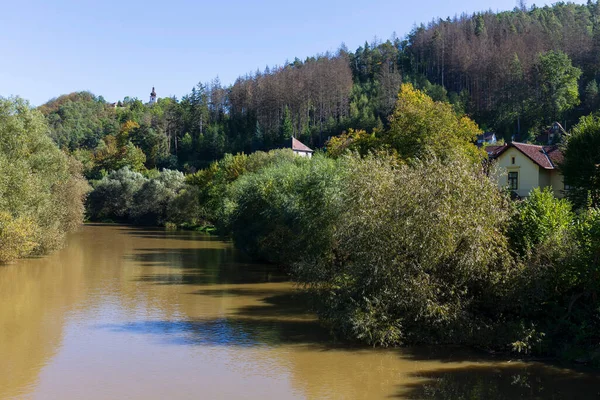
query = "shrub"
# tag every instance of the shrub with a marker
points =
(113, 195)
(285, 211)
(151, 201)
(541, 220)
(41, 188)
(419, 256)
(128, 196)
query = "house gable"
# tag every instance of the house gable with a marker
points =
(535, 166)
(513, 160)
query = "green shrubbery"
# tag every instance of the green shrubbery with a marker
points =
(285, 212)
(161, 198)
(41, 188)
(427, 252)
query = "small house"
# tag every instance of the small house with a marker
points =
(524, 167)
(301, 149)
(486, 138)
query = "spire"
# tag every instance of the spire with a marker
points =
(152, 96)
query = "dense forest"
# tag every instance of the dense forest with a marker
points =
(513, 72)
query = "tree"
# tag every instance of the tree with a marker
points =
(581, 165)
(421, 127)
(41, 188)
(286, 130)
(557, 81)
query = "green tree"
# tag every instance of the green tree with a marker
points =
(581, 165)
(286, 131)
(557, 81)
(41, 188)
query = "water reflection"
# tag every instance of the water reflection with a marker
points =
(519, 381)
(148, 314)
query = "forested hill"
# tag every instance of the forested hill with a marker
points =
(513, 72)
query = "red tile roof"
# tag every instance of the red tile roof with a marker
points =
(299, 146)
(492, 150)
(555, 155)
(547, 157)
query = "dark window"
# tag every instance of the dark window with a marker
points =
(513, 160)
(513, 180)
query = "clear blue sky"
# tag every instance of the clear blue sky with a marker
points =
(123, 48)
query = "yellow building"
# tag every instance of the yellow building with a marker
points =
(523, 167)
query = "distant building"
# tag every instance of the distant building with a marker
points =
(486, 138)
(552, 135)
(301, 149)
(152, 96)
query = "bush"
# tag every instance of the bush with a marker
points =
(214, 183)
(541, 220)
(287, 210)
(419, 256)
(41, 188)
(113, 195)
(128, 196)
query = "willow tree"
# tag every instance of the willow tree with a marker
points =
(41, 188)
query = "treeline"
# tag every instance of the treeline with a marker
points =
(308, 100)
(41, 188)
(494, 61)
(513, 72)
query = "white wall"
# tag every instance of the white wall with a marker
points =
(529, 172)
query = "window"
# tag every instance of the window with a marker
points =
(513, 180)
(513, 160)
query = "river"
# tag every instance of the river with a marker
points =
(126, 313)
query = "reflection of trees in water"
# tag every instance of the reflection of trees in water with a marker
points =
(35, 296)
(533, 381)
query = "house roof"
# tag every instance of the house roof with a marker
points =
(299, 146)
(547, 157)
(492, 150)
(555, 129)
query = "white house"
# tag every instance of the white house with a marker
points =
(486, 138)
(524, 167)
(301, 149)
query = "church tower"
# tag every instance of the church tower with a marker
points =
(152, 96)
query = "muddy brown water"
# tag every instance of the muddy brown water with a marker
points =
(125, 313)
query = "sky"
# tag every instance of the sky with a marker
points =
(124, 48)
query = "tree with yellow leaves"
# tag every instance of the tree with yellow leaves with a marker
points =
(421, 127)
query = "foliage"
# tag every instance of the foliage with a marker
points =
(41, 188)
(128, 196)
(213, 183)
(581, 166)
(540, 220)
(417, 252)
(285, 211)
(359, 141)
(557, 80)
(421, 127)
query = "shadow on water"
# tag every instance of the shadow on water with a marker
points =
(232, 332)
(282, 319)
(161, 233)
(276, 316)
(201, 266)
(519, 381)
